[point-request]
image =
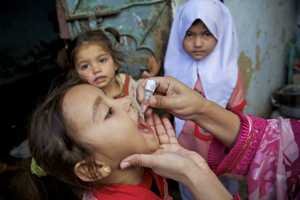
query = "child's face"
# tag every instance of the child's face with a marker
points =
(198, 41)
(109, 126)
(95, 65)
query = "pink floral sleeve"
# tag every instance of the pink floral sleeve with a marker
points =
(239, 158)
(267, 153)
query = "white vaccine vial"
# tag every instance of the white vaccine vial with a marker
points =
(149, 89)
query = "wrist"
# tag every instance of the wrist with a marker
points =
(204, 184)
(203, 108)
(189, 174)
(221, 123)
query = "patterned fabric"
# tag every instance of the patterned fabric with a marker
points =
(267, 153)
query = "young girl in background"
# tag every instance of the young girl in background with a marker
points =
(202, 53)
(79, 135)
(92, 56)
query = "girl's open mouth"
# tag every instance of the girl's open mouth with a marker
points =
(144, 127)
(99, 79)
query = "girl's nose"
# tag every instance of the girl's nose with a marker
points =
(96, 68)
(198, 41)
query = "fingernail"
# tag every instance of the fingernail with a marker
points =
(124, 165)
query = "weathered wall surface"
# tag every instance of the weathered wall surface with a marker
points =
(264, 29)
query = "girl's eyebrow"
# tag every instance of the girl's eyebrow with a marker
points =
(95, 107)
(103, 54)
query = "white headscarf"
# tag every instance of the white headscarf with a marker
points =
(219, 70)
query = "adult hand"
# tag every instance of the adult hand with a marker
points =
(147, 74)
(187, 104)
(174, 97)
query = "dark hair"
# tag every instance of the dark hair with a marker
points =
(199, 21)
(98, 36)
(50, 142)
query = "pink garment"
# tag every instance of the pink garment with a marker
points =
(267, 153)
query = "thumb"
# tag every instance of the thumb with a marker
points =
(138, 160)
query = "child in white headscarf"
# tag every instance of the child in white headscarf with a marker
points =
(203, 53)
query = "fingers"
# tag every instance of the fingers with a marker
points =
(154, 121)
(163, 83)
(179, 150)
(164, 130)
(138, 160)
(146, 74)
(169, 130)
(160, 130)
(140, 89)
(156, 124)
(163, 102)
(150, 121)
(165, 93)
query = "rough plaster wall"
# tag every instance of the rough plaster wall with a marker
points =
(264, 28)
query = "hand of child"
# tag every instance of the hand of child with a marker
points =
(164, 162)
(169, 142)
(162, 127)
(170, 160)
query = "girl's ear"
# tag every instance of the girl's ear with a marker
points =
(88, 173)
(116, 67)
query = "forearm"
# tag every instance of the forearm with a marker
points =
(204, 184)
(223, 124)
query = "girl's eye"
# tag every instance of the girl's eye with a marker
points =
(207, 33)
(103, 60)
(109, 113)
(84, 67)
(189, 34)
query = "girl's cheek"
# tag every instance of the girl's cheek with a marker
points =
(88, 79)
